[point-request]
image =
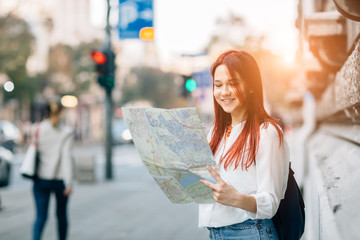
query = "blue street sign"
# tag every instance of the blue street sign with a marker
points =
(202, 78)
(134, 15)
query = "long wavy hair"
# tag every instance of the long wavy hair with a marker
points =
(241, 67)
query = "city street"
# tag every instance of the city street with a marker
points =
(131, 206)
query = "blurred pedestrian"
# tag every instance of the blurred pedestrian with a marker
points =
(26, 130)
(55, 170)
(250, 151)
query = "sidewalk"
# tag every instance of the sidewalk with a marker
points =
(130, 207)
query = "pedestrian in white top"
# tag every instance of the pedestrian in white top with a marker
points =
(55, 170)
(250, 151)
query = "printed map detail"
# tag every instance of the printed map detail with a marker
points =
(173, 147)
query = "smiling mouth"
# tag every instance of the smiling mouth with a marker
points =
(227, 100)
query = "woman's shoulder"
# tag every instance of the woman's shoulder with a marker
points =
(67, 130)
(268, 130)
(43, 125)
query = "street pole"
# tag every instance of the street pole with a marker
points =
(108, 143)
(108, 103)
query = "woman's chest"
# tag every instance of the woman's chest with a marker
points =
(245, 181)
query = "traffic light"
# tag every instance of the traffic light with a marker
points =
(105, 67)
(188, 86)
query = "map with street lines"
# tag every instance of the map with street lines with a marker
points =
(172, 145)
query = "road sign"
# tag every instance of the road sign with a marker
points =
(202, 78)
(133, 16)
(147, 33)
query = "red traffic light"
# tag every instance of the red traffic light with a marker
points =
(98, 57)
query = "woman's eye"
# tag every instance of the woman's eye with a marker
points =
(217, 85)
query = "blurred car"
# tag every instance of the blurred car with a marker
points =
(120, 132)
(10, 135)
(6, 158)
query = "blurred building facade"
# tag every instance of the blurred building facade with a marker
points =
(69, 22)
(58, 22)
(53, 22)
(325, 137)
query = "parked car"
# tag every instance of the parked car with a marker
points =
(6, 158)
(10, 135)
(120, 132)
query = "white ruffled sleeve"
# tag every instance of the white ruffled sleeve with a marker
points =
(272, 167)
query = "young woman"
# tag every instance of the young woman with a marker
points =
(55, 170)
(250, 151)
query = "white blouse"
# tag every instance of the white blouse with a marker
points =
(55, 145)
(266, 180)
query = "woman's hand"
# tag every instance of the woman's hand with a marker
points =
(226, 194)
(68, 190)
(223, 192)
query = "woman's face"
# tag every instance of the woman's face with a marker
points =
(224, 92)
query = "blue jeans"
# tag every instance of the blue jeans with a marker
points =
(42, 190)
(250, 229)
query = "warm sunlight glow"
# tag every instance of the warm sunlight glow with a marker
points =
(288, 58)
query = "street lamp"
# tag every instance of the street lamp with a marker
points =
(9, 86)
(69, 101)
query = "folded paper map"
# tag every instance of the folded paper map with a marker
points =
(172, 145)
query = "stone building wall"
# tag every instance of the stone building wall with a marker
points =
(327, 146)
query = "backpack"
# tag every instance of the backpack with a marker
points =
(289, 219)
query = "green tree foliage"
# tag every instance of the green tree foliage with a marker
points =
(71, 68)
(149, 84)
(15, 48)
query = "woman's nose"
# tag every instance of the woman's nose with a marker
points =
(226, 90)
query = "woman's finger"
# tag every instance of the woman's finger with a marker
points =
(209, 184)
(214, 174)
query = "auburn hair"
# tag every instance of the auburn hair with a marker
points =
(241, 67)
